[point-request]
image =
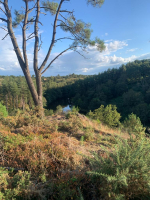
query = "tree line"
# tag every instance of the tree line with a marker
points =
(14, 92)
(127, 87)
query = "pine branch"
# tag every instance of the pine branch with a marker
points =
(4, 20)
(53, 37)
(4, 29)
(3, 11)
(12, 35)
(70, 12)
(30, 38)
(64, 38)
(5, 36)
(24, 34)
(30, 10)
(56, 58)
(36, 44)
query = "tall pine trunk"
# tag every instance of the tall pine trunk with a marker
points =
(37, 95)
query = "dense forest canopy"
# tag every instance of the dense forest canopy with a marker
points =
(127, 87)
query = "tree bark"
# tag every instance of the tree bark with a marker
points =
(39, 90)
(36, 95)
(31, 86)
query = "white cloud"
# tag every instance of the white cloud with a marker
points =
(106, 34)
(2, 69)
(115, 45)
(132, 50)
(8, 58)
(95, 62)
(70, 62)
(111, 46)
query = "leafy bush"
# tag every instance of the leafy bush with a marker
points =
(14, 187)
(133, 124)
(108, 115)
(48, 112)
(59, 109)
(89, 134)
(28, 118)
(123, 173)
(75, 109)
(3, 111)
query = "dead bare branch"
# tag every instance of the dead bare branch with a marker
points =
(23, 7)
(64, 38)
(80, 54)
(43, 13)
(5, 36)
(4, 29)
(30, 38)
(3, 11)
(40, 23)
(30, 10)
(30, 34)
(3, 19)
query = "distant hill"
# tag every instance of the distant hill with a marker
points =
(127, 87)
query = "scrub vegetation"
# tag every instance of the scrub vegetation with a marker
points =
(70, 156)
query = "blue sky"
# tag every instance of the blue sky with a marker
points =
(122, 24)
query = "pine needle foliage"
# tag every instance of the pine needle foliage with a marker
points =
(96, 3)
(82, 32)
(19, 17)
(50, 6)
(124, 173)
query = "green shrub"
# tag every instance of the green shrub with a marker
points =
(16, 187)
(108, 115)
(48, 112)
(59, 109)
(90, 114)
(75, 109)
(3, 111)
(24, 118)
(123, 173)
(133, 124)
(89, 134)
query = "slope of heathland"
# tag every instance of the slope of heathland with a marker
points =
(69, 156)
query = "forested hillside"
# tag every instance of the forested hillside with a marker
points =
(127, 87)
(14, 91)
